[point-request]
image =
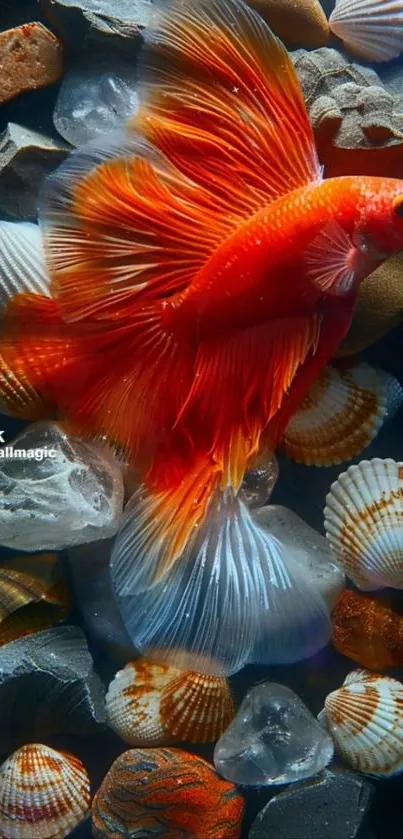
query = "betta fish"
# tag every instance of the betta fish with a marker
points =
(202, 274)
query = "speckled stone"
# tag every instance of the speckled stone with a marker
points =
(31, 57)
(112, 24)
(333, 806)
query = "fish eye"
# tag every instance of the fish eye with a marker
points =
(398, 206)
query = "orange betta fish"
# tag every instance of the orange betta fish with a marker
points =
(202, 274)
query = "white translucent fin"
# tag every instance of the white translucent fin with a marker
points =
(22, 261)
(331, 260)
(229, 600)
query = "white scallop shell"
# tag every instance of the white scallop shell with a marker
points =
(371, 29)
(364, 523)
(365, 719)
(44, 794)
(341, 415)
(133, 703)
(22, 261)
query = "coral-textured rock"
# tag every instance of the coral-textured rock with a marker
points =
(297, 24)
(97, 95)
(111, 23)
(48, 686)
(368, 631)
(62, 492)
(31, 57)
(26, 157)
(165, 792)
(379, 308)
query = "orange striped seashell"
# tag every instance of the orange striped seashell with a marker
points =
(365, 720)
(152, 704)
(165, 792)
(341, 415)
(368, 631)
(44, 794)
(33, 595)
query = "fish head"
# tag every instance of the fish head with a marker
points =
(379, 230)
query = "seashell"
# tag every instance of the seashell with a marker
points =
(341, 415)
(165, 792)
(151, 704)
(44, 794)
(364, 523)
(365, 719)
(33, 595)
(22, 261)
(371, 29)
(368, 631)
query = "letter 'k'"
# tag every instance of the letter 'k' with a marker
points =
(2, 440)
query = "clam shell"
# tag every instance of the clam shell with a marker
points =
(150, 704)
(364, 523)
(22, 261)
(371, 29)
(33, 595)
(365, 719)
(44, 794)
(341, 415)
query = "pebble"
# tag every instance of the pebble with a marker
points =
(311, 552)
(96, 95)
(273, 739)
(53, 502)
(48, 686)
(31, 57)
(112, 23)
(297, 24)
(165, 792)
(26, 157)
(333, 806)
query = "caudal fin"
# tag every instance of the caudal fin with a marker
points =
(227, 592)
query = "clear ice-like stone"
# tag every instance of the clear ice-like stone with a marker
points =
(274, 739)
(54, 501)
(97, 95)
(309, 551)
(258, 483)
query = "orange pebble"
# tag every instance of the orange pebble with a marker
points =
(368, 631)
(166, 792)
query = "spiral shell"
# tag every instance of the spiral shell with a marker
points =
(371, 29)
(368, 631)
(33, 595)
(44, 794)
(165, 792)
(341, 415)
(364, 523)
(151, 704)
(365, 719)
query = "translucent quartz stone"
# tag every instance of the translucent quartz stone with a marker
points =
(97, 95)
(258, 483)
(310, 552)
(46, 502)
(273, 739)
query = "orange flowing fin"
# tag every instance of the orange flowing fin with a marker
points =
(240, 598)
(221, 99)
(252, 373)
(36, 357)
(123, 227)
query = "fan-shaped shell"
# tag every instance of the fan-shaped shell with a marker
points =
(150, 704)
(44, 794)
(364, 523)
(341, 415)
(371, 29)
(33, 595)
(365, 719)
(22, 261)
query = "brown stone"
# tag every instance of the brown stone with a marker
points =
(300, 23)
(31, 57)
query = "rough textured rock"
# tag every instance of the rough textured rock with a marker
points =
(348, 102)
(26, 157)
(332, 806)
(297, 24)
(48, 686)
(98, 94)
(31, 57)
(70, 497)
(116, 23)
(273, 739)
